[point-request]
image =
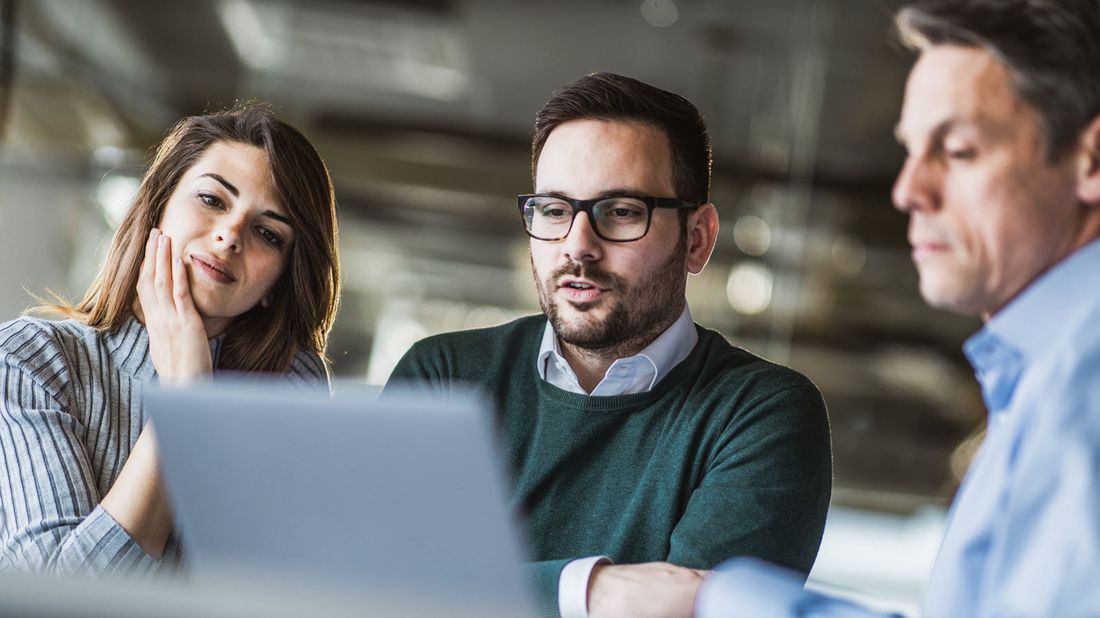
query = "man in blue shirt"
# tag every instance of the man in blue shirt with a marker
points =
(1001, 121)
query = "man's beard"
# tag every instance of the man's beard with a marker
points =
(636, 317)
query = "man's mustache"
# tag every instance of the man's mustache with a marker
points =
(582, 270)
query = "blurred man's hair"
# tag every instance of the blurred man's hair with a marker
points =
(1051, 48)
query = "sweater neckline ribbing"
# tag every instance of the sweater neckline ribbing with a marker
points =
(617, 403)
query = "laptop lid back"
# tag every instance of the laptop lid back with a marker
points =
(403, 492)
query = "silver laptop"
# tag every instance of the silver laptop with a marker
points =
(401, 496)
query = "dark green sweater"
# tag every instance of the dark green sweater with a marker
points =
(728, 455)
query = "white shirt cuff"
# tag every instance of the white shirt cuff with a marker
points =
(573, 586)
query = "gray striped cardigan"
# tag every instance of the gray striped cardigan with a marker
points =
(70, 411)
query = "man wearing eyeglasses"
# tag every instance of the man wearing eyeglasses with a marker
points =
(644, 448)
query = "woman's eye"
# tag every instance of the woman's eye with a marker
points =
(211, 200)
(270, 237)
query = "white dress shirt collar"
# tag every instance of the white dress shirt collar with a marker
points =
(626, 376)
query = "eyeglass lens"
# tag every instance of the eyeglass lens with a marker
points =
(615, 218)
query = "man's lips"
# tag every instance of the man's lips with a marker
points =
(928, 248)
(580, 290)
(213, 268)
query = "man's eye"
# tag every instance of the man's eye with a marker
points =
(624, 213)
(958, 150)
(962, 154)
(553, 213)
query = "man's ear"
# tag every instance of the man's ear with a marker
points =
(1088, 164)
(702, 230)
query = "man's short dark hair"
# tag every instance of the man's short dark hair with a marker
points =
(1051, 48)
(607, 96)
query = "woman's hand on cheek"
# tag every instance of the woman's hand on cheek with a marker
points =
(177, 337)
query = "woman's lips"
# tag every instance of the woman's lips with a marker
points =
(211, 271)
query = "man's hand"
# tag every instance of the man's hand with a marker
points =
(177, 337)
(654, 589)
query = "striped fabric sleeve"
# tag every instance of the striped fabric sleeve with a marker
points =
(308, 369)
(48, 498)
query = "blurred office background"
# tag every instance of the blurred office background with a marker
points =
(423, 109)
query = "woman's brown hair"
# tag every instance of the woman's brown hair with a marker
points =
(303, 300)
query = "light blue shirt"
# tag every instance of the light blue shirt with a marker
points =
(1023, 536)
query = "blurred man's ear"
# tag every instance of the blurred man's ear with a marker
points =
(1088, 164)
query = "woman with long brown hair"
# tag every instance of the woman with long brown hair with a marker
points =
(227, 260)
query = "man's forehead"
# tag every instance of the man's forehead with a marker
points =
(591, 155)
(957, 86)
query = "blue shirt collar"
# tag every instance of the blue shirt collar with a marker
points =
(1023, 330)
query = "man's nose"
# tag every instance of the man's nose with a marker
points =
(917, 186)
(582, 243)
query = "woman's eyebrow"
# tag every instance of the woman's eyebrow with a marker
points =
(236, 193)
(276, 216)
(228, 185)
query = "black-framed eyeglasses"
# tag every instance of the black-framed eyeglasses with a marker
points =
(620, 218)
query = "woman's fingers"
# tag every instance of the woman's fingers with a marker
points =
(148, 263)
(162, 280)
(181, 288)
(177, 335)
(146, 293)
